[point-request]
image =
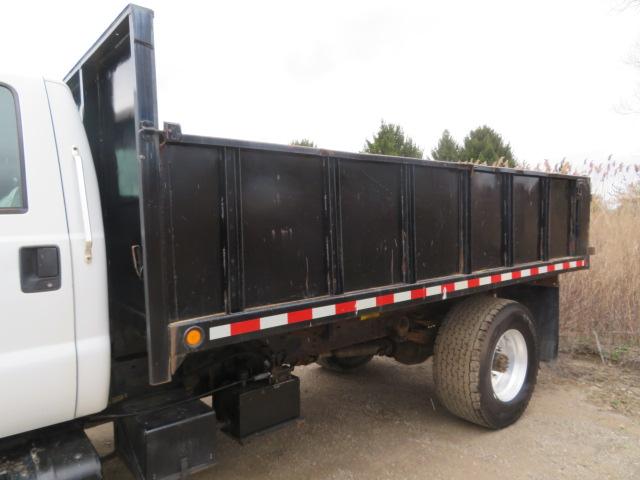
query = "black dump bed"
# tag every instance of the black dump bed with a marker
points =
(246, 240)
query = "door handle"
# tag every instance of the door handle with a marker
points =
(40, 268)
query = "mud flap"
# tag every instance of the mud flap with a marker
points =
(543, 301)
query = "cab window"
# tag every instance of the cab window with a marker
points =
(12, 195)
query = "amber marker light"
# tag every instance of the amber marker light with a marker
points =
(193, 337)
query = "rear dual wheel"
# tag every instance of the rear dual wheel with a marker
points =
(486, 361)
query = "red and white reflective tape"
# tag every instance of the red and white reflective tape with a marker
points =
(354, 306)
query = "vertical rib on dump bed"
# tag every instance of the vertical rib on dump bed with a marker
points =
(246, 239)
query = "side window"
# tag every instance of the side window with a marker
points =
(12, 195)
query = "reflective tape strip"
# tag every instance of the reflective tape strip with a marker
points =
(219, 331)
(431, 291)
(326, 311)
(273, 321)
(242, 327)
(365, 303)
(402, 296)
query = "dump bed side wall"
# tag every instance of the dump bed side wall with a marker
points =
(254, 227)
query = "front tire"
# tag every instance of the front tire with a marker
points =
(486, 361)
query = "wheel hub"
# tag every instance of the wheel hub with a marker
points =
(509, 365)
(500, 362)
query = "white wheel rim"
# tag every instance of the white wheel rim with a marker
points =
(509, 365)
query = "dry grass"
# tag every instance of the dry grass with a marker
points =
(604, 302)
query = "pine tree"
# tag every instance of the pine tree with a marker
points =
(485, 145)
(447, 149)
(391, 140)
(303, 142)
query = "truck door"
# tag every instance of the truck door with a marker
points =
(37, 345)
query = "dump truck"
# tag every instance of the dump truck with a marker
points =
(171, 283)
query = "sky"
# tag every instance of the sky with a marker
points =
(550, 76)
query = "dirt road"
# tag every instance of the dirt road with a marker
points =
(384, 422)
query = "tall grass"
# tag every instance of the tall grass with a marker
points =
(603, 303)
(600, 308)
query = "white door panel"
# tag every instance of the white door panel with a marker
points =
(37, 336)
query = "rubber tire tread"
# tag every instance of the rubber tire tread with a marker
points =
(457, 355)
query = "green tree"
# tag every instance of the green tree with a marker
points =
(485, 145)
(303, 142)
(391, 140)
(447, 149)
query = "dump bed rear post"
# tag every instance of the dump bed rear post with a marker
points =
(154, 210)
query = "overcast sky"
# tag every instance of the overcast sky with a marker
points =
(547, 75)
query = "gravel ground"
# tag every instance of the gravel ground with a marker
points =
(384, 422)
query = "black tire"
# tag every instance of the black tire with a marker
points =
(344, 364)
(464, 356)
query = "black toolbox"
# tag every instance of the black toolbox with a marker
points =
(258, 406)
(169, 443)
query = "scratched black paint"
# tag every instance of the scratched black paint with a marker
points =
(486, 220)
(371, 220)
(437, 205)
(195, 176)
(282, 227)
(527, 208)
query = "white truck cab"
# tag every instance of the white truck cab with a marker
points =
(54, 346)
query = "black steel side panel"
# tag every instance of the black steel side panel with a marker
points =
(258, 227)
(486, 220)
(527, 212)
(371, 220)
(196, 211)
(438, 207)
(283, 232)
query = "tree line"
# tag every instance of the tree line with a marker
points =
(481, 145)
